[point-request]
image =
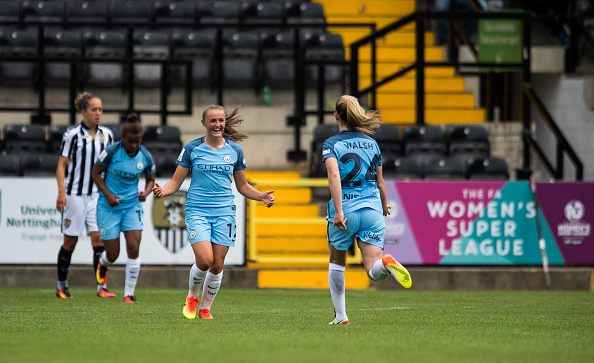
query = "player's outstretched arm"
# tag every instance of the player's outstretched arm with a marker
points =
(250, 192)
(173, 185)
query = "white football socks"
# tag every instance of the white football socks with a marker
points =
(132, 270)
(195, 281)
(337, 289)
(212, 284)
(378, 271)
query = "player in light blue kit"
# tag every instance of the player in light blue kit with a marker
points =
(210, 209)
(359, 201)
(119, 208)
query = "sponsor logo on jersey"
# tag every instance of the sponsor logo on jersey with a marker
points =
(169, 221)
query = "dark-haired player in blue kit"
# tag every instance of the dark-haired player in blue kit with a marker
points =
(359, 201)
(119, 208)
(210, 207)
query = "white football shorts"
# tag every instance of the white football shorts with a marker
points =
(80, 212)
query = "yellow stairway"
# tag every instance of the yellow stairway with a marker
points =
(287, 242)
(446, 101)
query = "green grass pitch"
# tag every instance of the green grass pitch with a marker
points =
(291, 326)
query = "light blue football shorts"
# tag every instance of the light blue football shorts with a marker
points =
(366, 224)
(113, 221)
(219, 230)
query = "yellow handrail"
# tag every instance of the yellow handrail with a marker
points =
(254, 220)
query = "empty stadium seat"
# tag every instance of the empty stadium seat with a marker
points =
(443, 169)
(115, 129)
(42, 11)
(388, 140)
(9, 11)
(39, 164)
(104, 44)
(262, 13)
(324, 47)
(181, 13)
(24, 138)
(401, 169)
(240, 57)
(61, 43)
(217, 12)
(426, 141)
(305, 13)
(129, 12)
(162, 139)
(166, 163)
(467, 141)
(9, 165)
(197, 46)
(149, 45)
(56, 134)
(80, 13)
(320, 134)
(277, 53)
(490, 168)
(17, 43)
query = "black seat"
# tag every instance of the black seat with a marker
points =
(305, 13)
(443, 169)
(197, 46)
(24, 138)
(166, 164)
(39, 164)
(9, 11)
(320, 135)
(115, 129)
(17, 43)
(401, 169)
(80, 13)
(162, 139)
(104, 44)
(324, 47)
(240, 57)
(9, 165)
(388, 140)
(212, 13)
(277, 53)
(422, 142)
(180, 13)
(56, 134)
(129, 12)
(262, 13)
(149, 45)
(65, 43)
(490, 168)
(467, 141)
(42, 11)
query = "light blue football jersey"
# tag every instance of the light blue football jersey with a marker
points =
(358, 155)
(123, 172)
(210, 192)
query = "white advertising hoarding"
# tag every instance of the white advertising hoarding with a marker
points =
(30, 226)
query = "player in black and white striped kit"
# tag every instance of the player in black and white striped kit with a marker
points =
(77, 194)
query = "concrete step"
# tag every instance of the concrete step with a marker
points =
(292, 245)
(288, 211)
(395, 38)
(434, 116)
(385, 69)
(379, 21)
(399, 54)
(288, 195)
(408, 85)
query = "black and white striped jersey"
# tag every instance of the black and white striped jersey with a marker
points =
(82, 150)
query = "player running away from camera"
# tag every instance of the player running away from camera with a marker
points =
(212, 161)
(77, 195)
(358, 202)
(119, 208)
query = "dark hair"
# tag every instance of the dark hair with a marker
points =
(231, 121)
(355, 117)
(82, 101)
(131, 126)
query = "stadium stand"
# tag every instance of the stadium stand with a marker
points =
(197, 46)
(305, 13)
(262, 13)
(61, 43)
(162, 139)
(276, 54)
(321, 133)
(324, 47)
(42, 11)
(54, 142)
(104, 44)
(442, 168)
(39, 164)
(17, 43)
(9, 165)
(491, 168)
(115, 128)
(401, 169)
(83, 12)
(240, 57)
(466, 141)
(150, 45)
(9, 11)
(165, 163)
(388, 140)
(212, 13)
(23, 138)
(424, 142)
(180, 13)
(129, 12)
